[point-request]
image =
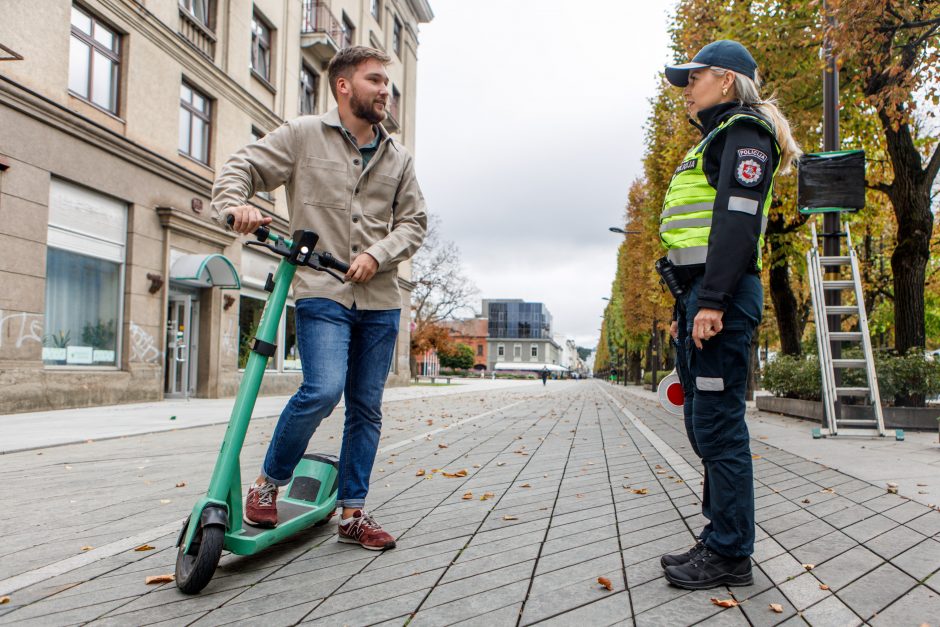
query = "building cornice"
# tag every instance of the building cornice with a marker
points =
(55, 115)
(422, 10)
(176, 220)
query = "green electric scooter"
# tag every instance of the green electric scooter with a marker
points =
(310, 498)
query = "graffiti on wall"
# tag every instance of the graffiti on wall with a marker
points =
(143, 347)
(20, 327)
(230, 339)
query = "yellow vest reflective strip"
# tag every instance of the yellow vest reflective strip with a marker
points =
(685, 222)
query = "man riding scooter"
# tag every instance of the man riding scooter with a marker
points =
(355, 186)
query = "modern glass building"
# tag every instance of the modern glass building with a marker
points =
(515, 318)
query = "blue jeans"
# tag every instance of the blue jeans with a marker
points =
(341, 350)
(714, 379)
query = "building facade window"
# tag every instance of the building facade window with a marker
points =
(84, 277)
(195, 123)
(94, 61)
(349, 32)
(517, 352)
(199, 10)
(250, 307)
(396, 37)
(395, 109)
(535, 352)
(377, 11)
(501, 350)
(479, 350)
(309, 88)
(261, 36)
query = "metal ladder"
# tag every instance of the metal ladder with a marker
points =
(833, 424)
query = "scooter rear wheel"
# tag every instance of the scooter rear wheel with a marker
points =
(194, 570)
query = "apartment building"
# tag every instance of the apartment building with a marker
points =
(115, 116)
(519, 335)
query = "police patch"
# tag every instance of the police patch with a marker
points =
(752, 152)
(749, 172)
(685, 165)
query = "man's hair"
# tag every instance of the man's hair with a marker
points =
(344, 64)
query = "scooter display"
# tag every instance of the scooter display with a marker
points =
(216, 519)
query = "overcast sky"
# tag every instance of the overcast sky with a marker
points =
(530, 120)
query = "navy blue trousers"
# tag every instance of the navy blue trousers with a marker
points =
(714, 379)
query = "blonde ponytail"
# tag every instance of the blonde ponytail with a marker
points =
(748, 92)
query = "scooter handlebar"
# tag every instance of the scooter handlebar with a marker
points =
(261, 232)
(329, 261)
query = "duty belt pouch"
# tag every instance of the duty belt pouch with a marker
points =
(669, 276)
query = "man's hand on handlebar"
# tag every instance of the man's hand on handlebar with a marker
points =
(362, 268)
(247, 219)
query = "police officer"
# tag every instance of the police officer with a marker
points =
(712, 227)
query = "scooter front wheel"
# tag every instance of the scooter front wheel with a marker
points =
(194, 570)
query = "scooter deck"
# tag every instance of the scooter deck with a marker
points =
(309, 498)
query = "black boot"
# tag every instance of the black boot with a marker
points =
(709, 570)
(681, 558)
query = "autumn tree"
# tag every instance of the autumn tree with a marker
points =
(890, 49)
(441, 291)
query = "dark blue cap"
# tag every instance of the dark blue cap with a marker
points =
(724, 53)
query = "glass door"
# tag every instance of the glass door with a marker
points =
(182, 325)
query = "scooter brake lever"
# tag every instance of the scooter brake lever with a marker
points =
(277, 249)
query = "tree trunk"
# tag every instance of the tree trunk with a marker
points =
(786, 307)
(636, 367)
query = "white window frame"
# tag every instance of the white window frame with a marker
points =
(72, 239)
(500, 350)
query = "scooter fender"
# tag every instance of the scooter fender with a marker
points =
(210, 513)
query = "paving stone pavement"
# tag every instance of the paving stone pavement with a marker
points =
(579, 492)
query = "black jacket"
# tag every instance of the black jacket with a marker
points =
(739, 163)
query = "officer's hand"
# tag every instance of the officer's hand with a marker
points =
(707, 325)
(674, 330)
(247, 219)
(362, 268)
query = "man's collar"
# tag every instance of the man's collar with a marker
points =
(331, 118)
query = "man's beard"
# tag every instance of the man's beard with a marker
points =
(365, 110)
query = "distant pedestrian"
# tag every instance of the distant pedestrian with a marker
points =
(544, 376)
(712, 226)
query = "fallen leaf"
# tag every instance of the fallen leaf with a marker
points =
(805, 501)
(430, 422)
(507, 517)
(181, 484)
(755, 456)
(164, 501)
(641, 491)
(4, 600)
(921, 485)
(525, 485)
(454, 475)
(487, 496)
(724, 602)
(159, 579)
(604, 581)
(762, 437)
(500, 463)
(144, 547)
(87, 548)
(467, 495)
(823, 586)
(420, 472)
(476, 465)
(809, 566)
(441, 445)
(777, 608)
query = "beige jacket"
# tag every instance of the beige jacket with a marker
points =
(377, 210)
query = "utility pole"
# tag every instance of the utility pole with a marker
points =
(831, 141)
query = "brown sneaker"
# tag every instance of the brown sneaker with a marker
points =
(261, 505)
(363, 530)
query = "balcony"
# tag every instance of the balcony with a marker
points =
(197, 35)
(321, 32)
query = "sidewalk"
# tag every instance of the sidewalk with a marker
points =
(587, 480)
(25, 431)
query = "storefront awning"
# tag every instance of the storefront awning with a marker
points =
(528, 366)
(205, 271)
